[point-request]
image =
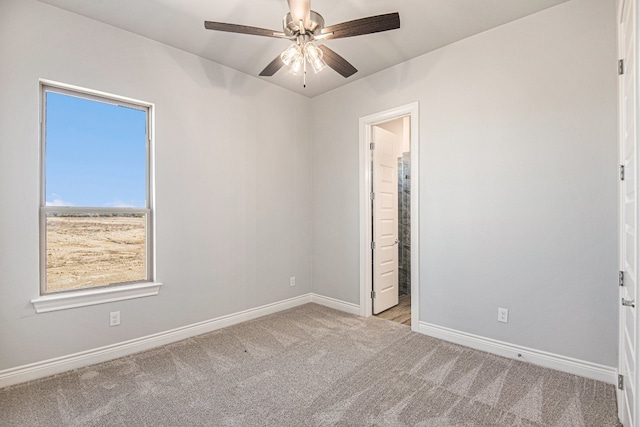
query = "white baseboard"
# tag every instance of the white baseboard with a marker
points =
(336, 304)
(61, 364)
(569, 365)
(57, 365)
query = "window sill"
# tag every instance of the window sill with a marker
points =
(87, 297)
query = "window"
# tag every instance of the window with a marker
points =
(96, 216)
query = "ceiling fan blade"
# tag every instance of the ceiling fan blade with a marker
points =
(300, 10)
(337, 62)
(358, 27)
(242, 29)
(272, 68)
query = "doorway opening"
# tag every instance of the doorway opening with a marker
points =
(389, 215)
(391, 219)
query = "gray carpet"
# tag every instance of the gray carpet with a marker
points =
(311, 366)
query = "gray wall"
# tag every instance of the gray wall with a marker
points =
(518, 181)
(233, 190)
(518, 185)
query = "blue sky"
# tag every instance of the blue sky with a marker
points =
(95, 153)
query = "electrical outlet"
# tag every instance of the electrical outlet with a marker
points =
(114, 318)
(292, 281)
(503, 315)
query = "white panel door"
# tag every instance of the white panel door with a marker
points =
(385, 219)
(628, 363)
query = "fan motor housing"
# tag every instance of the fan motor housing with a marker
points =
(292, 29)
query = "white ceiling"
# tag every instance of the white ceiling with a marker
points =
(426, 25)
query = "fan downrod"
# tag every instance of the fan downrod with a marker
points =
(293, 29)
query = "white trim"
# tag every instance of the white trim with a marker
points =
(365, 125)
(336, 304)
(102, 96)
(65, 300)
(149, 209)
(61, 364)
(569, 365)
(627, 29)
(57, 365)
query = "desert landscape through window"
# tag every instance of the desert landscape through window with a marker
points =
(88, 250)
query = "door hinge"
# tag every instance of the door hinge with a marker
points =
(372, 196)
(620, 278)
(372, 146)
(621, 172)
(373, 245)
(620, 382)
(620, 67)
(373, 294)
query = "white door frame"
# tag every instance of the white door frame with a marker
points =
(365, 125)
(630, 416)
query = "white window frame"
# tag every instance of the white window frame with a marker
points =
(60, 300)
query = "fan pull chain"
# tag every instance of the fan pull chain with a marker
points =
(304, 74)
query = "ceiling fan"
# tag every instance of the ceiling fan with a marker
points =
(304, 27)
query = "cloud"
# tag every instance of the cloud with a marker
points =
(58, 201)
(120, 204)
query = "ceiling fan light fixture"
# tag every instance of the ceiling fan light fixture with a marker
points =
(303, 26)
(297, 65)
(291, 54)
(314, 56)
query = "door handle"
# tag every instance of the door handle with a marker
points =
(396, 242)
(628, 303)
